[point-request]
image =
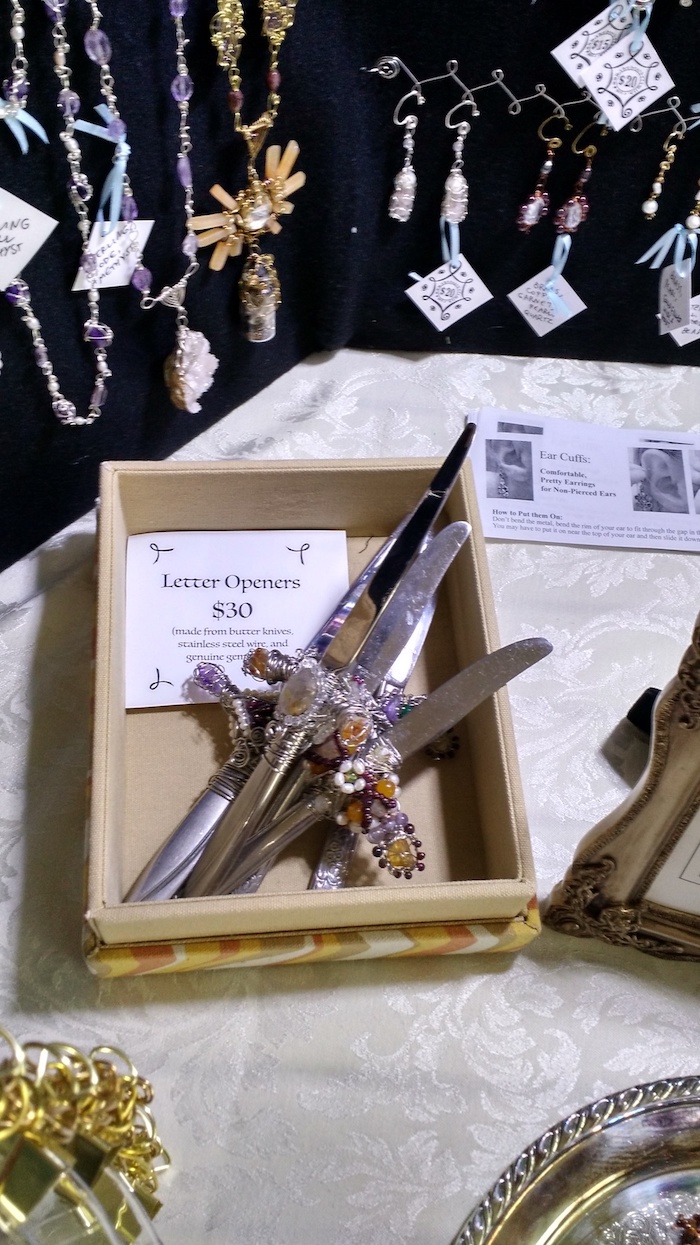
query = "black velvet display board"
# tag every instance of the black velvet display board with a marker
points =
(343, 265)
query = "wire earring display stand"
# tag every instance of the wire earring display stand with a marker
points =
(389, 67)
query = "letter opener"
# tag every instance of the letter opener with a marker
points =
(279, 778)
(437, 714)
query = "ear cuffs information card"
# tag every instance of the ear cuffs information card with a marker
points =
(580, 484)
(213, 596)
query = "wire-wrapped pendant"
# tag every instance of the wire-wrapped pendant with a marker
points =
(455, 199)
(404, 194)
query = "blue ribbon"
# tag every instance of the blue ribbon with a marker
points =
(114, 182)
(639, 29)
(560, 254)
(17, 120)
(678, 238)
(449, 241)
(628, 9)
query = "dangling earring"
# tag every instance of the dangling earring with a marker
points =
(574, 212)
(650, 206)
(537, 206)
(455, 199)
(404, 193)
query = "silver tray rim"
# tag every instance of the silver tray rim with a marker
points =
(479, 1226)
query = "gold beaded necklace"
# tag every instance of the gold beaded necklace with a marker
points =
(255, 209)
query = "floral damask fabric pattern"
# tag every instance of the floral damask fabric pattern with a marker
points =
(342, 1104)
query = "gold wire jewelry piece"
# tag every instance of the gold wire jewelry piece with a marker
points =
(650, 206)
(255, 209)
(64, 1111)
(532, 211)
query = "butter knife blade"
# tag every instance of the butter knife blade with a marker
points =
(437, 714)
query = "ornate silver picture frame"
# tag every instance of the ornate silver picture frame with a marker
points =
(635, 878)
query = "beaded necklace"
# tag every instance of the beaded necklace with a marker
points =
(118, 190)
(190, 368)
(255, 209)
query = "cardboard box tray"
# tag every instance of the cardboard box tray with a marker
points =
(149, 765)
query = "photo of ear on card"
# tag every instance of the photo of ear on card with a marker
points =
(657, 477)
(509, 470)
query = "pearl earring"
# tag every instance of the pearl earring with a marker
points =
(650, 206)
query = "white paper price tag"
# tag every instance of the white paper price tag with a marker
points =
(689, 332)
(445, 296)
(117, 253)
(589, 43)
(196, 597)
(622, 83)
(23, 230)
(674, 297)
(543, 313)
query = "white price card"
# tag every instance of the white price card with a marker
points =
(447, 295)
(536, 305)
(23, 230)
(551, 480)
(196, 597)
(590, 42)
(674, 297)
(117, 253)
(623, 83)
(690, 332)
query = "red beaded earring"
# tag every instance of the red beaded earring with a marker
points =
(537, 206)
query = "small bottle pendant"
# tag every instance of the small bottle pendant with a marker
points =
(259, 289)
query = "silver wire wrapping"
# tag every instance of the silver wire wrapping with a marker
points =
(404, 193)
(455, 199)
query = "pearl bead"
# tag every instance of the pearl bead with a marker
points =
(17, 33)
(650, 207)
(656, 188)
(692, 221)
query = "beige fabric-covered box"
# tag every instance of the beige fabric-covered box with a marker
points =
(150, 765)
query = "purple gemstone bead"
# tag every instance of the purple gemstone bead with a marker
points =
(16, 90)
(69, 102)
(189, 245)
(41, 355)
(55, 9)
(129, 208)
(178, 8)
(116, 129)
(210, 678)
(16, 291)
(142, 279)
(181, 87)
(81, 187)
(99, 335)
(98, 46)
(184, 171)
(88, 263)
(98, 396)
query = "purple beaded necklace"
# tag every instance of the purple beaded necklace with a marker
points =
(190, 368)
(96, 333)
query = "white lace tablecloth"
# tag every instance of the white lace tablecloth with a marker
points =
(365, 1103)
